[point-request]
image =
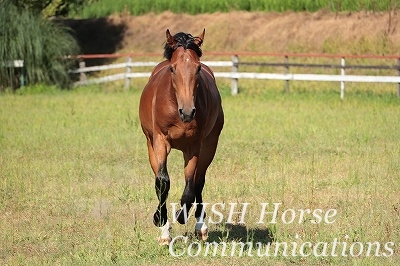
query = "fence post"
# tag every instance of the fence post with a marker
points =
(127, 71)
(235, 69)
(287, 72)
(398, 70)
(22, 77)
(343, 63)
(82, 75)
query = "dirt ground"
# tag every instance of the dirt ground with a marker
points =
(320, 32)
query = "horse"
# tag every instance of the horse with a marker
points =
(180, 108)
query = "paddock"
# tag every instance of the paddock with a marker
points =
(76, 187)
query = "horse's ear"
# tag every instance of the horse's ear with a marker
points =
(170, 38)
(199, 40)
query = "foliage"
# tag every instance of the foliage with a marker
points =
(40, 43)
(101, 8)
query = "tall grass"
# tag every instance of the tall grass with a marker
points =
(39, 42)
(76, 186)
(103, 8)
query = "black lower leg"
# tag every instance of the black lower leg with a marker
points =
(200, 211)
(187, 200)
(162, 188)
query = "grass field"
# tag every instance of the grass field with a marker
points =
(76, 187)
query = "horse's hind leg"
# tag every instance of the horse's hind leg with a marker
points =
(207, 153)
(188, 196)
(158, 152)
(201, 229)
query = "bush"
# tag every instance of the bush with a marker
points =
(41, 43)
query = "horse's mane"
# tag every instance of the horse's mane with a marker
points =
(186, 41)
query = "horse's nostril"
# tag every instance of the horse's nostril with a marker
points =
(193, 112)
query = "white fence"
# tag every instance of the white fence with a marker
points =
(16, 64)
(235, 75)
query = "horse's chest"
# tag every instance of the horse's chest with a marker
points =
(183, 133)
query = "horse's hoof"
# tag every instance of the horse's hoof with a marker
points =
(164, 241)
(202, 235)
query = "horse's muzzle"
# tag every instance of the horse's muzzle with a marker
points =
(187, 116)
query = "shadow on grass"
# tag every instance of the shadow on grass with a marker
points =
(241, 233)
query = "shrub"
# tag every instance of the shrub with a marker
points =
(41, 43)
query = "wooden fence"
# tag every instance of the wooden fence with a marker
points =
(235, 64)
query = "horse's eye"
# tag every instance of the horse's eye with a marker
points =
(171, 68)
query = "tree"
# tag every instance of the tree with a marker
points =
(41, 43)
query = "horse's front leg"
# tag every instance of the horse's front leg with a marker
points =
(158, 151)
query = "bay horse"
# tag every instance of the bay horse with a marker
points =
(180, 108)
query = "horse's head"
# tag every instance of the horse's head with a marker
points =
(183, 51)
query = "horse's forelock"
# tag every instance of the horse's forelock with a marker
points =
(186, 41)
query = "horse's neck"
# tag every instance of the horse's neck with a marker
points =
(208, 71)
(159, 67)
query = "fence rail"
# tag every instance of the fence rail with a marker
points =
(235, 74)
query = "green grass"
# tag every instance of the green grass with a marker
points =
(138, 7)
(76, 186)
